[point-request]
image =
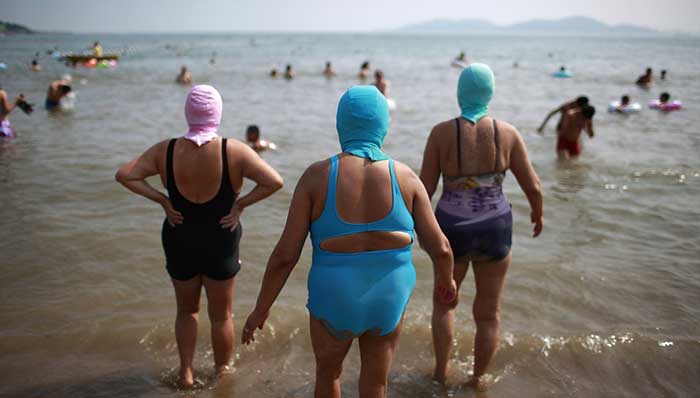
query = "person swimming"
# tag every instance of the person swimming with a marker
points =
(57, 90)
(663, 74)
(578, 103)
(203, 174)
(289, 72)
(664, 98)
(252, 137)
(35, 65)
(472, 154)
(273, 73)
(364, 71)
(361, 275)
(646, 79)
(328, 71)
(381, 83)
(184, 77)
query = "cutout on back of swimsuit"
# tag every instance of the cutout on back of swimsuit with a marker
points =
(367, 242)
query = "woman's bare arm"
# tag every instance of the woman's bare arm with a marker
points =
(433, 241)
(528, 180)
(267, 181)
(284, 257)
(133, 176)
(430, 170)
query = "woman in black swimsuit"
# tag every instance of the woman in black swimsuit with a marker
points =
(203, 174)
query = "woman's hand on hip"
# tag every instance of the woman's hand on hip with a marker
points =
(230, 220)
(174, 216)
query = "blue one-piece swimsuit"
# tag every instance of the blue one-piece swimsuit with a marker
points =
(364, 292)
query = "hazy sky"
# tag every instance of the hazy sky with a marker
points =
(327, 15)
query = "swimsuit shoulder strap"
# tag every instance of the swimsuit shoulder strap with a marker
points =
(224, 160)
(170, 177)
(330, 204)
(496, 141)
(459, 147)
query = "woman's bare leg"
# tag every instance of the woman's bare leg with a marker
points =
(443, 325)
(330, 353)
(187, 295)
(490, 280)
(377, 353)
(219, 303)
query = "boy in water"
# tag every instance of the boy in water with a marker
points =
(57, 90)
(381, 83)
(184, 78)
(573, 122)
(328, 71)
(252, 137)
(645, 79)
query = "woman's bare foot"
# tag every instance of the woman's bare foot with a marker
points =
(186, 378)
(476, 382)
(440, 378)
(221, 370)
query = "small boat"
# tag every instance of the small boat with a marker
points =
(87, 57)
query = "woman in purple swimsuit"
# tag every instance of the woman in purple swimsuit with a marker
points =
(473, 153)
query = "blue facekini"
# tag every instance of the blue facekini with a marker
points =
(474, 91)
(362, 122)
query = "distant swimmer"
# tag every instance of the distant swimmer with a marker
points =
(646, 79)
(252, 137)
(578, 103)
(562, 72)
(663, 74)
(665, 104)
(364, 71)
(328, 71)
(515, 64)
(460, 61)
(624, 106)
(5, 108)
(273, 73)
(57, 90)
(381, 83)
(289, 72)
(97, 49)
(184, 77)
(573, 122)
(35, 66)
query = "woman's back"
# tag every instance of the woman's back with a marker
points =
(365, 194)
(475, 148)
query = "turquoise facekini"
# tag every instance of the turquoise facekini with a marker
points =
(474, 91)
(362, 122)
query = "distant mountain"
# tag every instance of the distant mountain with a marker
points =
(565, 26)
(13, 28)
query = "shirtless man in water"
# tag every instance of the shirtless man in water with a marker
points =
(573, 122)
(578, 103)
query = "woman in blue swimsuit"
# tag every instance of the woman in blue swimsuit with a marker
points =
(361, 208)
(473, 153)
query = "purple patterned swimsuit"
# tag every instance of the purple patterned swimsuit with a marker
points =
(474, 214)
